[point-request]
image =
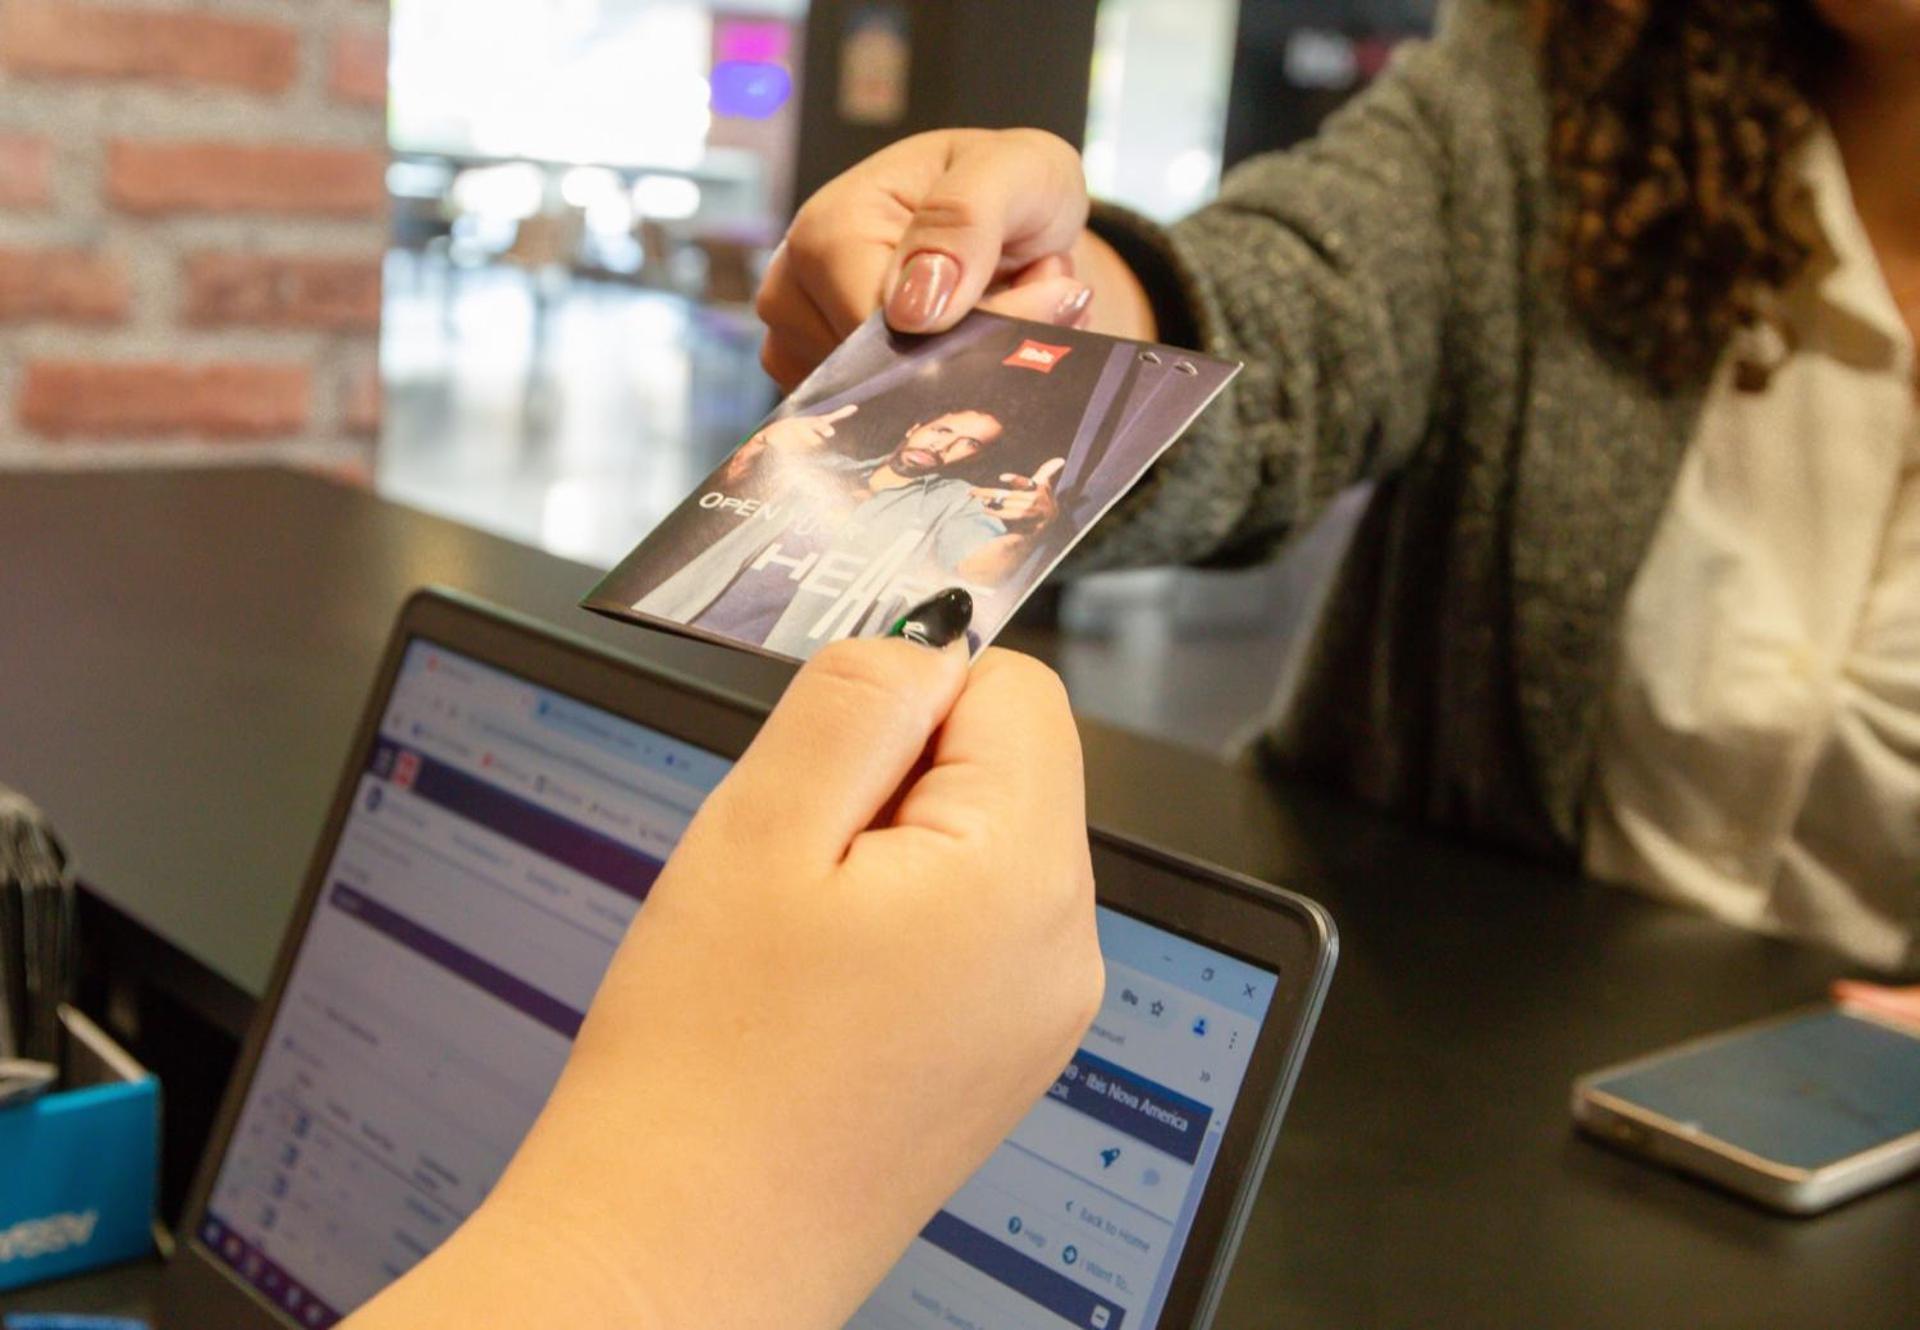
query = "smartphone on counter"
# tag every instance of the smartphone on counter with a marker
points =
(1799, 1112)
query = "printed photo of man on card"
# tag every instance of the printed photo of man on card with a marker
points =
(904, 466)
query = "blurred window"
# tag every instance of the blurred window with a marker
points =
(1158, 110)
(618, 82)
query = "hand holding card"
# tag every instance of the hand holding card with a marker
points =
(905, 465)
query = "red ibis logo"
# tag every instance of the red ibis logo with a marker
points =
(1037, 356)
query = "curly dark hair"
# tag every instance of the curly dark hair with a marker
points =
(1674, 124)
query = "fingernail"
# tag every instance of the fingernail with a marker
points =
(1074, 306)
(936, 621)
(924, 291)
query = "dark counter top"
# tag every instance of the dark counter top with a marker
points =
(182, 656)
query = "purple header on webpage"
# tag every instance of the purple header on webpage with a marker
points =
(546, 833)
(489, 978)
(1165, 1119)
(1018, 1271)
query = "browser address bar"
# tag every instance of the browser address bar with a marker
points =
(517, 738)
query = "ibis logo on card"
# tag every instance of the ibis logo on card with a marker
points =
(1037, 356)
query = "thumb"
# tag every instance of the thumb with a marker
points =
(1004, 201)
(1048, 473)
(834, 417)
(848, 732)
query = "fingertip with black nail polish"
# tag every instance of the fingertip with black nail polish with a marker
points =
(938, 621)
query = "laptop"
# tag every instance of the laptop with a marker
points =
(509, 798)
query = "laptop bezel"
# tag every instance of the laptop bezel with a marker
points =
(1269, 927)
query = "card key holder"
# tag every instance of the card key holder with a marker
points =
(79, 1167)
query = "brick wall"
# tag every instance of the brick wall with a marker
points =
(192, 215)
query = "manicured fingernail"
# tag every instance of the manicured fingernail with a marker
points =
(1074, 307)
(937, 621)
(924, 291)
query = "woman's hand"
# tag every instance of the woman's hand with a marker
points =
(873, 951)
(933, 226)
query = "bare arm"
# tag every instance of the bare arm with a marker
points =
(733, 1143)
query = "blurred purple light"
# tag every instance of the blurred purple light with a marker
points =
(749, 89)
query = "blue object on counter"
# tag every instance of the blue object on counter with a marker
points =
(77, 1188)
(57, 1321)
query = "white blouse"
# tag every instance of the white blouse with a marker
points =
(1760, 752)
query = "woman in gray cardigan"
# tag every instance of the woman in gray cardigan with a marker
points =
(1616, 304)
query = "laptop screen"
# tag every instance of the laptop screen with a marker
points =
(501, 838)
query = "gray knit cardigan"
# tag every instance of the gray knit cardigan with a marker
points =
(1390, 286)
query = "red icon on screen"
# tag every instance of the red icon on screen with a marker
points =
(1037, 356)
(406, 769)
